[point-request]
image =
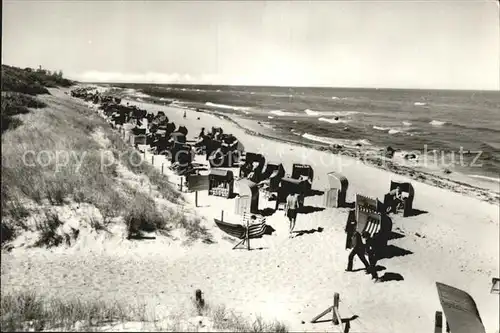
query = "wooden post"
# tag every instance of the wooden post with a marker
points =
(321, 314)
(152, 158)
(181, 183)
(447, 327)
(248, 237)
(196, 199)
(162, 168)
(438, 322)
(336, 298)
(222, 216)
(144, 153)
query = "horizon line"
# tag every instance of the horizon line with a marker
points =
(277, 86)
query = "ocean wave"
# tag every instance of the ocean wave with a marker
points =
(419, 104)
(270, 117)
(388, 129)
(333, 120)
(321, 139)
(335, 97)
(365, 142)
(486, 178)
(230, 107)
(330, 113)
(281, 113)
(406, 123)
(333, 141)
(311, 112)
(437, 123)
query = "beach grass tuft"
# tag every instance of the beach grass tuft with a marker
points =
(28, 311)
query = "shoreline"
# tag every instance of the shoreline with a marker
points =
(458, 186)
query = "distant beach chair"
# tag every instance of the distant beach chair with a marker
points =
(303, 172)
(495, 286)
(244, 231)
(335, 196)
(408, 193)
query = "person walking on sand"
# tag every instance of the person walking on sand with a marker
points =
(371, 253)
(291, 210)
(359, 248)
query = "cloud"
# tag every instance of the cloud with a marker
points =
(151, 77)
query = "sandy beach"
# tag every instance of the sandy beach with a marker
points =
(454, 241)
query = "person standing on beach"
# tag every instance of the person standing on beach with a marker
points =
(202, 133)
(291, 210)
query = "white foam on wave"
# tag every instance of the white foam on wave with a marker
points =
(330, 113)
(270, 117)
(311, 112)
(406, 123)
(332, 141)
(281, 113)
(437, 123)
(321, 139)
(419, 104)
(335, 97)
(388, 129)
(230, 107)
(333, 120)
(365, 142)
(486, 178)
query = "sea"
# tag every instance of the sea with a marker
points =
(460, 130)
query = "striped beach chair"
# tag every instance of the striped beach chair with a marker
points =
(368, 220)
(245, 231)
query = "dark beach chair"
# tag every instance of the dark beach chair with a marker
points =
(391, 204)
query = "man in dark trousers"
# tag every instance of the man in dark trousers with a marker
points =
(359, 248)
(371, 248)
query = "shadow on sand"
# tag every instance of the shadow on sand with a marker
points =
(390, 276)
(395, 235)
(313, 193)
(392, 251)
(417, 212)
(309, 209)
(311, 231)
(266, 212)
(345, 321)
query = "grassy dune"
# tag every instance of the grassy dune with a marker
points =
(59, 155)
(29, 311)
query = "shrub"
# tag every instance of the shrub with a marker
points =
(48, 231)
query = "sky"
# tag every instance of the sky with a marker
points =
(378, 44)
